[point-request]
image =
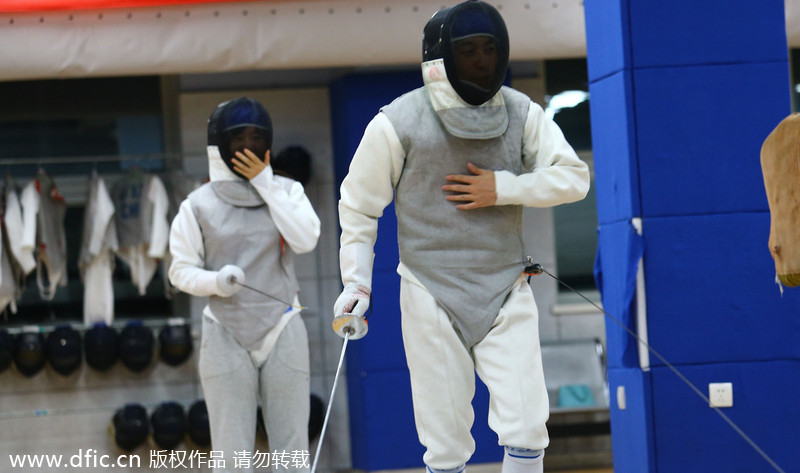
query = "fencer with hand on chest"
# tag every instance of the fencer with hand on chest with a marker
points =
(460, 157)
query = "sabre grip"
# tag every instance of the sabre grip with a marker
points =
(229, 280)
(352, 324)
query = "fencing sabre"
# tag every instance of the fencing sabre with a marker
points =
(353, 326)
(347, 333)
(536, 268)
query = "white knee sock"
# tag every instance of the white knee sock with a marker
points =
(523, 460)
(458, 469)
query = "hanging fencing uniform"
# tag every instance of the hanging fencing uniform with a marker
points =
(44, 210)
(253, 347)
(16, 263)
(465, 305)
(8, 287)
(14, 227)
(96, 259)
(178, 186)
(141, 204)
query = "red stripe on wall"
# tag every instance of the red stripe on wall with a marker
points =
(55, 5)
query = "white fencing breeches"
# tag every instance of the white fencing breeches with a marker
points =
(508, 360)
(233, 384)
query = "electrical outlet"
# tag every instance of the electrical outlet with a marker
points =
(720, 394)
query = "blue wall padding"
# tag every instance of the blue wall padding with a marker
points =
(632, 428)
(708, 81)
(386, 252)
(382, 348)
(711, 295)
(699, 135)
(381, 418)
(355, 99)
(619, 250)
(622, 34)
(387, 437)
(614, 145)
(684, 32)
(486, 448)
(383, 435)
(692, 437)
(608, 39)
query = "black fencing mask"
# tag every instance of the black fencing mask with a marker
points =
(294, 162)
(29, 357)
(472, 40)
(175, 344)
(169, 425)
(131, 427)
(6, 349)
(64, 350)
(136, 343)
(100, 346)
(197, 424)
(232, 118)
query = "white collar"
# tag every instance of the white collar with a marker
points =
(217, 169)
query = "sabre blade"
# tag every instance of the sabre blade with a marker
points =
(330, 401)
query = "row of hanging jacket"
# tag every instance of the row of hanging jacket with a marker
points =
(129, 220)
(33, 239)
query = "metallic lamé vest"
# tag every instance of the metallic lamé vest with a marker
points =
(467, 259)
(237, 229)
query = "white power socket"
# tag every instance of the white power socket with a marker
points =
(720, 394)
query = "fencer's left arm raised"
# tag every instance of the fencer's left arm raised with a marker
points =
(290, 208)
(553, 174)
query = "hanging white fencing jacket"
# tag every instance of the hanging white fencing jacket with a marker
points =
(44, 210)
(8, 288)
(178, 186)
(467, 259)
(16, 262)
(96, 260)
(141, 204)
(14, 227)
(244, 223)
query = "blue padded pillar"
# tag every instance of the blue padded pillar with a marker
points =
(683, 95)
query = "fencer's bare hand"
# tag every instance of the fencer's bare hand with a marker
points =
(477, 190)
(248, 164)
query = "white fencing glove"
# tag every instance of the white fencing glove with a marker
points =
(226, 279)
(349, 310)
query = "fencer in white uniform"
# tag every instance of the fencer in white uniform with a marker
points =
(246, 224)
(460, 157)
